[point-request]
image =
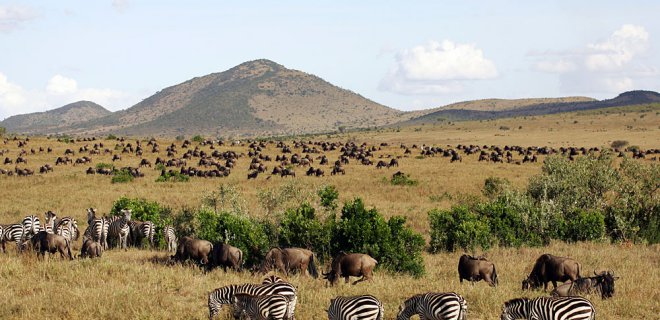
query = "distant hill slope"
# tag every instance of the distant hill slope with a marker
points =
(624, 99)
(255, 98)
(55, 120)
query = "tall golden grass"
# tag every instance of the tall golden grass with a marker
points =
(141, 284)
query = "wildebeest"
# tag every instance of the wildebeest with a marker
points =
(91, 249)
(476, 269)
(549, 268)
(287, 260)
(226, 255)
(353, 264)
(602, 283)
(193, 249)
(44, 242)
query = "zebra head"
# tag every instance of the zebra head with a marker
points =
(516, 309)
(408, 308)
(91, 215)
(127, 214)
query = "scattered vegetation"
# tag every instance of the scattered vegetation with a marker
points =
(122, 176)
(103, 165)
(402, 179)
(173, 176)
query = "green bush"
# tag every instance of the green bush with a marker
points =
(585, 226)
(198, 138)
(401, 179)
(111, 137)
(329, 196)
(458, 228)
(102, 165)
(618, 144)
(173, 177)
(144, 210)
(122, 176)
(301, 227)
(494, 186)
(366, 231)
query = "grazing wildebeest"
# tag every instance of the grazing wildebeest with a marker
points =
(549, 268)
(44, 242)
(289, 260)
(193, 249)
(226, 255)
(91, 249)
(353, 264)
(602, 283)
(477, 269)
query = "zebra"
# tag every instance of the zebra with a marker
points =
(170, 238)
(12, 232)
(272, 307)
(119, 228)
(68, 228)
(31, 226)
(97, 229)
(272, 279)
(548, 308)
(434, 306)
(365, 307)
(49, 226)
(224, 295)
(142, 230)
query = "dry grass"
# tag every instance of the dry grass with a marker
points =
(135, 284)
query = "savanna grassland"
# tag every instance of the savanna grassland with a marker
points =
(142, 284)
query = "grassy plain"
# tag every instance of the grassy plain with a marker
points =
(136, 285)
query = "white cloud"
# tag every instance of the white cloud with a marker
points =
(619, 49)
(59, 91)
(59, 85)
(120, 5)
(12, 16)
(437, 68)
(612, 65)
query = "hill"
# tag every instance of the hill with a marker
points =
(257, 97)
(454, 114)
(53, 121)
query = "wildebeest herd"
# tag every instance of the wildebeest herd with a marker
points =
(275, 298)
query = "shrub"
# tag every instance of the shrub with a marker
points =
(494, 186)
(401, 179)
(395, 246)
(102, 165)
(144, 210)
(111, 137)
(504, 128)
(173, 177)
(251, 236)
(198, 138)
(300, 227)
(585, 225)
(122, 176)
(328, 196)
(3, 131)
(457, 228)
(618, 144)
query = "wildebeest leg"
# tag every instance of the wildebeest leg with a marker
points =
(346, 279)
(361, 279)
(489, 280)
(554, 284)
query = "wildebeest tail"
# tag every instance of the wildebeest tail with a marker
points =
(494, 275)
(311, 267)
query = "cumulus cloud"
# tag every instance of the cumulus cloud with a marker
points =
(120, 5)
(612, 65)
(437, 68)
(12, 16)
(60, 90)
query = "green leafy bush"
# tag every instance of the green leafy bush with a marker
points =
(458, 228)
(111, 137)
(585, 226)
(300, 227)
(173, 177)
(102, 165)
(328, 195)
(198, 138)
(122, 176)
(494, 186)
(401, 179)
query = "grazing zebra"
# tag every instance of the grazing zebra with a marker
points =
(547, 308)
(224, 295)
(170, 238)
(273, 307)
(97, 229)
(12, 232)
(365, 307)
(31, 226)
(119, 228)
(434, 306)
(142, 230)
(272, 279)
(68, 228)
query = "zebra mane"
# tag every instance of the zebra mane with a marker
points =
(516, 301)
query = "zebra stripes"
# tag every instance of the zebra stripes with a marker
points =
(12, 232)
(142, 230)
(97, 228)
(273, 307)
(225, 295)
(272, 279)
(119, 228)
(170, 238)
(49, 226)
(547, 308)
(434, 306)
(31, 226)
(365, 307)
(68, 228)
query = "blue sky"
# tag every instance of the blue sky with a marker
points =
(405, 54)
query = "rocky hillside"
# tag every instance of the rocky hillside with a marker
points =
(255, 98)
(56, 120)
